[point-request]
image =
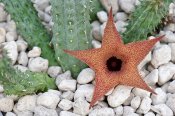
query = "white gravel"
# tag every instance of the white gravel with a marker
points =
(72, 97)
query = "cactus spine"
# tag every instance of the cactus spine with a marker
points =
(30, 27)
(71, 31)
(145, 19)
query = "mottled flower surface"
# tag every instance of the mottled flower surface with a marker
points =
(115, 62)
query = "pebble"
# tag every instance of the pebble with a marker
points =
(54, 71)
(127, 110)
(48, 9)
(166, 73)
(65, 76)
(6, 104)
(150, 114)
(121, 16)
(110, 3)
(135, 102)
(171, 87)
(67, 85)
(118, 110)
(121, 26)
(145, 105)
(102, 16)
(66, 113)
(2, 35)
(23, 59)
(85, 76)
(81, 107)
(22, 45)
(170, 102)
(35, 52)
(140, 92)
(101, 104)
(26, 103)
(127, 5)
(84, 91)
(169, 36)
(119, 95)
(69, 95)
(128, 101)
(172, 46)
(65, 104)
(49, 99)
(10, 114)
(162, 109)
(3, 15)
(1, 88)
(11, 36)
(160, 98)
(152, 78)
(11, 48)
(38, 64)
(161, 55)
(96, 44)
(10, 26)
(102, 112)
(42, 111)
(97, 33)
(21, 68)
(41, 4)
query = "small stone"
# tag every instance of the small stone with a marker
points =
(166, 73)
(54, 71)
(42, 111)
(127, 111)
(121, 16)
(118, 110)
(12, 51)
(69, 95)
(6, 104)
(165, 87)
(110, 3)
(109, 92)
(86, 75)
(96, 44)
(2, 35)
(64, 76)
(81, 107)
(162, 109)
(97, 33)
(145, 106)
(48, 9)
(127, 5)
(22, 45)
(172, 46)
(85, 91)
(171, 87)
(160, 98)
(169, 36)
(150, 114)
(102, 112)
(102, 16)
(102, 28)
(26, 103)
(35, 52)
(170, 102)
(11, 36)
(119, 95)
(101, 104)
(1, 88)
(11, 26)
(66, 113)
(47, 18)
(140, 92)
(38, 64)
(152, 78)
(3, 15)
(67, 85)
(65, 104)
(49, 99)
(10, 114)
(23, 59)
(135, 102)
(121, 26)
(128, 101)
(170, 27)
(161, 55)
(21, 68)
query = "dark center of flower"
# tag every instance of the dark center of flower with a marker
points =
(114, 64)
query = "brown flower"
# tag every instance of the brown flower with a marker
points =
(115, 63)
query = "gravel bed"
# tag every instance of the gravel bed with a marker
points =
(72, 97)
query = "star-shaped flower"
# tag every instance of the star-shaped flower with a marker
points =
(115, 63)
